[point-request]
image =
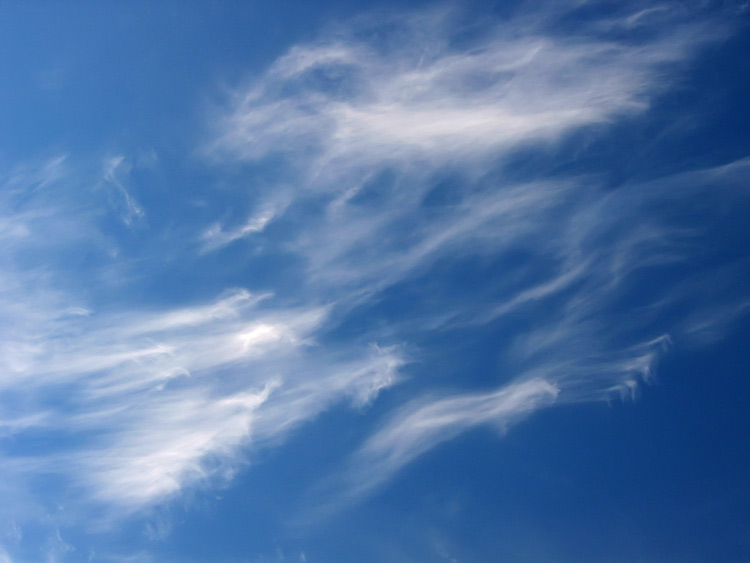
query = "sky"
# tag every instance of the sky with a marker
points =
(374, 281)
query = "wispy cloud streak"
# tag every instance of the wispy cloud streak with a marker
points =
(395, 140)
(154, 402)
(406, 135)
(356, 99)
(423, 424)
(143, 403)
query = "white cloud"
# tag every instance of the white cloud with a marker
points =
(159, 401)
(114, 168)
(421, 425)
(352, 102)
(145, 402)
(347, 109)
(217, 236)
(369, 118)
(164, 443)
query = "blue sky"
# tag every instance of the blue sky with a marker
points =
(374, 282)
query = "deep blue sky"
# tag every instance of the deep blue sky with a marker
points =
(374, 282)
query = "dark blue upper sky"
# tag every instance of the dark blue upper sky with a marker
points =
(374, 282)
